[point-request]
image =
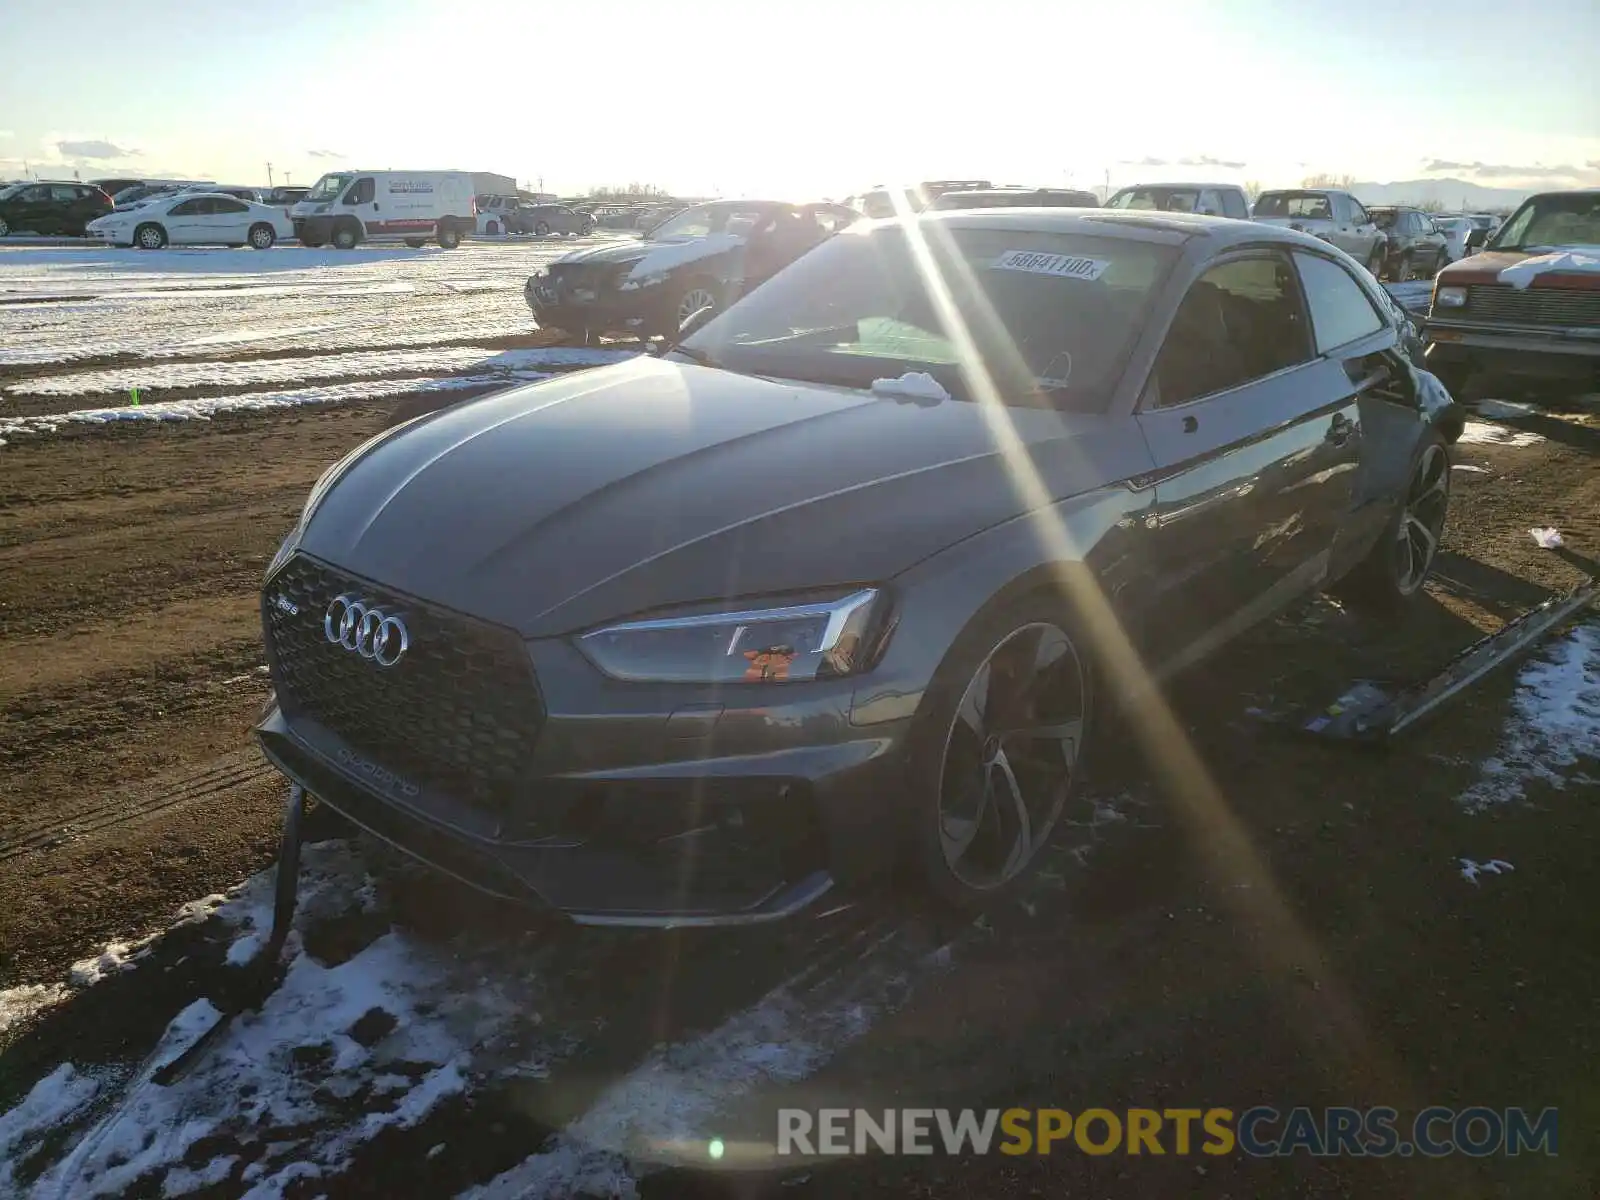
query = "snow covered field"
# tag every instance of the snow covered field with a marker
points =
(82, 331)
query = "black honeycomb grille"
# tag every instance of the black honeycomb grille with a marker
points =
(460, 711)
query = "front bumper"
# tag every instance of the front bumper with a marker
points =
(698, 816)
(647, 310)
(1546, 353)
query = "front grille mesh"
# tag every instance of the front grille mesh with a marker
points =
(460, 711)
(1553, 307)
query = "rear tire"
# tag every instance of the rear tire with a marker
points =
(5, 227)
(150, 236)
(997, 752)
(346, 236)
(541, 229)
(449, 237)
(263, 236)
(1392, 575)
(311, 244)
(416, 243)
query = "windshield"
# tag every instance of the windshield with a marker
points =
(7, 192)
(705, 219)
(1562, 219)
(1294, 204)
(328, 187)
(1156, 199)
(1053, 315)
(1383, 218)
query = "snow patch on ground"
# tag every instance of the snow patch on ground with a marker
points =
(56, 1099)
(17, 1004)
(1481, 433)
(259, 371)
(203, 409)
(666, 1111)
(1554, 725)
(390, 1032)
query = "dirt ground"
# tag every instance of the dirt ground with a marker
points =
(1288, 924)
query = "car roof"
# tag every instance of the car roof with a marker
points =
(1135, 225)
(1133, 187)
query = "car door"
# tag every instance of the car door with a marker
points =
(31, 210)
(1251, 434)
(1359, 346)
(360, 199)
(185, 221)
(1364, 232)
(229, 219)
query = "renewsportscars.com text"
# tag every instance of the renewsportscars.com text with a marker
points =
(1260, 1132)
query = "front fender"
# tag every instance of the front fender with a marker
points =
(1086, 547)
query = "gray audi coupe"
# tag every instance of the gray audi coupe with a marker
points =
(843, 578)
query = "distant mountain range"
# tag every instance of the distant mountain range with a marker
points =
(1456, 195)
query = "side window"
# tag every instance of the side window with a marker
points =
(229, 206)
(361, 192)
(64, 192)
(1233, 206)
(1239, 321)
(36, 194)
(1210, 204)
(1359, 215)
(1340, 310)
(188, 208)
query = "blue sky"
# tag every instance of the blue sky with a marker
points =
(821, 96)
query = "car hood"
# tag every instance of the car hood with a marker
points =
(647, 257)
(647, 484)
(1575, 269)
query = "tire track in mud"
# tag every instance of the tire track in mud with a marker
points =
(210, 781)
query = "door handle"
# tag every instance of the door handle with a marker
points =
(1339, 430)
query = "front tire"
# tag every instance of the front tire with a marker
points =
(5, 227)
(541, 229)
(1391, 576)
(150, 237)
(997, 752)
(263, 236)
(346, 236)
(492, 229)
(1375, 262)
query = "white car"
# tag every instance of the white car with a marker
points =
(1456, 230)
(194, 219)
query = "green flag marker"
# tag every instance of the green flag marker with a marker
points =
(134, 392)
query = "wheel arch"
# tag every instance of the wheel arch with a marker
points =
(937, 601)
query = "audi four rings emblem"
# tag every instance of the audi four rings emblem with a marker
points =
(370, 632)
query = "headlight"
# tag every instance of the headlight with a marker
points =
(1450, 297)
(634, 282)
(795, 642)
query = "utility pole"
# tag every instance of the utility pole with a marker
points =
(269, 174)
(287, 179)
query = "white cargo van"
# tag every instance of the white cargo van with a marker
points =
(414, 207)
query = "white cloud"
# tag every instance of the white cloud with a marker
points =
(94, 148)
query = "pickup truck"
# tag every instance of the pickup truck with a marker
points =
(1334, 216)
(1528, 306)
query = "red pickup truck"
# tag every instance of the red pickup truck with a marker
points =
(1528, 306)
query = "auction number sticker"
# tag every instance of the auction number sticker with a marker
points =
(1051, 264)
